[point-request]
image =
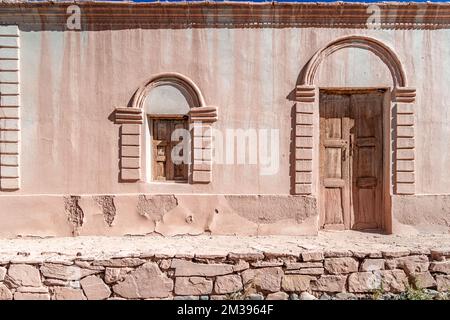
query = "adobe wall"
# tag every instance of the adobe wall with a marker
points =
(71, 82)
(70, 146)
(370, 274)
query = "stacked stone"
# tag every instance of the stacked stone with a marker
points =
(9, 108)
(309, 275)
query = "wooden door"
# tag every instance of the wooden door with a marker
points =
(163, 167)
(367, 160)
(335, 124)
(351, 160)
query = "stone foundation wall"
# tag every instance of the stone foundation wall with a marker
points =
(312, 274)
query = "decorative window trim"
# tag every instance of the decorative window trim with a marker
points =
(201, 118)
(307, 108)
(9, 108)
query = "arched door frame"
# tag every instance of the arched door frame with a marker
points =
(307, 114)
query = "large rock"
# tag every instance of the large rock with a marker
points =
(67, 293)
(147, 281)
(443, 283)
(441, 267)
(25, 275)
(296, 283)
(94, 288)
(228, 284)
(5, 293)
(329, 283)
(364, 282)
(265, 279)
(341, 265)
(394, 280)
(194, 286)
(423, 280)
(413, 264)
(63, 272)
(372, 265)
(185, 268)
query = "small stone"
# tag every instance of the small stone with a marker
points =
(341, 265)
(325, 297)
(266, 264)
(186, 298)
(440, 253)
(303, 265)
(312, 256)
(241, 266)
(94, 288)
(25, 275)
(56, 282)
(185, 268)
(113, 275)
(337, 253)
(204, 298)
(2, 273)
(293, 296)
(307, 296)
(296, 283)
(193, 286)
(218, 297)
(31, 296)
(147, 281)
(372, 265)
(165, 264)
(87, 265)
(117, 263)
(441, 267)
(67, 293)
(394, 280)
(33, 289)
(277, 296)
(255, 296)
(329, 283)
(228, 284)
(63, 272)
(364, 282)
(307, 271)
(443, 283)
(246, 256)
(345, 296)
(423, 280)
(264, 279)
(5, 293)
(395, 253)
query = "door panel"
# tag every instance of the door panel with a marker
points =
(351, 160)
(367, 160)
(163, 166)
(334, 168)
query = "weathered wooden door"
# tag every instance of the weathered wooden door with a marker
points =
(351, 160)
(164, 167)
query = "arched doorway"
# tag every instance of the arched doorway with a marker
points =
(354, 143)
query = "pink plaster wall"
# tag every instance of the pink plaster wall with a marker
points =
(72, 81)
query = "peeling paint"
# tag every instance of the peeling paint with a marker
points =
(154, 207)
(272, 208)
(108, 208)
(75, 214)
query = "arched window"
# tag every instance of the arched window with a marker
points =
(167, 107)
(177, 136)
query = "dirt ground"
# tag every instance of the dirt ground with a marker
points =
(55, 249)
